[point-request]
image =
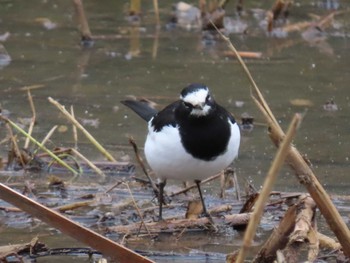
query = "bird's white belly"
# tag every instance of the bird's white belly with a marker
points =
(169, 160)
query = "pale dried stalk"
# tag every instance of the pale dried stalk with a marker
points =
(267, 187)
(15, 145)
(32, 122)
(156, 12)
(49, 134)
(137, 209)
(88, 162)
(54, 156)
(47, 137)
(84, 25)
(75, 132)
(182, 191)
(279, 237)
(142, 164)
(37, 86)
(80, 127)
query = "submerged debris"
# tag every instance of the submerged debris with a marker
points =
(330, 105)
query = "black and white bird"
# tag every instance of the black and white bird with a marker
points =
(193, 138)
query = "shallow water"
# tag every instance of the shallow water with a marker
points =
(157, 64)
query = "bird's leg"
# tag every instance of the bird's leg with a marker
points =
(205, 212)
(161, 198)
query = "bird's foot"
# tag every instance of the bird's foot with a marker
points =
(211, 222)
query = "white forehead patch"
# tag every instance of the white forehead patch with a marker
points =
(196, 98)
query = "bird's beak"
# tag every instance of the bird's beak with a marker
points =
(199, 106)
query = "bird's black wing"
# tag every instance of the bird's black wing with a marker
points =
(142, 109)
(165, 117)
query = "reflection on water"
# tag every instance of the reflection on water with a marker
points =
(310, 65)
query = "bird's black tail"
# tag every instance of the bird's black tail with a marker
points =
(142, 109)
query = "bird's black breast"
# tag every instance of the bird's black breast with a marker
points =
(206, 137)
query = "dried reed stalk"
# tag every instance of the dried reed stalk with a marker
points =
(156, 12)
(32, 122)
(182, 191)
(88, 162)
(135, 7)
(302, 170)
(49, 134)
(137, 209)
(80, 127)
(267, 187)
(54, 156)
(15, 144)
(279, 237)
(84, 25)
(75, 132)
(142, 164)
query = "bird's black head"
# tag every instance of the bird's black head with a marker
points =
(197, 100)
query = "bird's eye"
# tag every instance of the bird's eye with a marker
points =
(188, 105)
(208, 98)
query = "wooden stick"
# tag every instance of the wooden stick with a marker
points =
(267, 187)
(80, 127)
(109, 248)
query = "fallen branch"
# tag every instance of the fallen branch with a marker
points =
(278, 239)
(304, 233)
(18, 249)
(178, 225)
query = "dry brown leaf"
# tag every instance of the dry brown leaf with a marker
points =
(194, 209)
(301, 102)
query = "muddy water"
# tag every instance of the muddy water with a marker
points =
(298, 73)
